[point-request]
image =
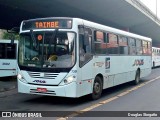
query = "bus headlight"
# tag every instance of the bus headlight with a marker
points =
(21, 78)
(68, 80)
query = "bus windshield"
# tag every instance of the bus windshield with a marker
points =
(47, 49)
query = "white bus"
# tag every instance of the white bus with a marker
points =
(72, 57)
(8, 58)
(155, 57)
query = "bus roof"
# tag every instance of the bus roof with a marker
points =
(97, 26)
(156, 48)
(7, 41)
(114, 30)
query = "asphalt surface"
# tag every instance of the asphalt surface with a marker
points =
(145, 97)
(8, 83)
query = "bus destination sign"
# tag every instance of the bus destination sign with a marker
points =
(41, 25)
(47, 24)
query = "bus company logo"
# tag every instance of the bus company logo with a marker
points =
(39, 81)
(99, 64)
(138, 62)
(5, 63)
(107, 63)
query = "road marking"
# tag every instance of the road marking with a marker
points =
(122, 94)
(91, 107)
(107, 100)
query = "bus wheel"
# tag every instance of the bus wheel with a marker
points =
(137, 77)
(97, 88)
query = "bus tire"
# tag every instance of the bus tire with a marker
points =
(137, 77)
(97, 88)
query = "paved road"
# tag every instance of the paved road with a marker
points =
(126, 97)
(7, 83)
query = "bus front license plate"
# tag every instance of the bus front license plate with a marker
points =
(42, 89)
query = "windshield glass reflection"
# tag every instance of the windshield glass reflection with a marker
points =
(47, 49)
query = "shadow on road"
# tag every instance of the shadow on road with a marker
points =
(62, 101)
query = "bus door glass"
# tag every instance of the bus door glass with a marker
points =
(85, 45)
(85, 54)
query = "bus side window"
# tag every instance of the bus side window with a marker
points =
(112, 44)
(8, 51)
(139, 47)
(85, 49)
(123, 45)
(149, 48)
(88, 47)
(2, 50)
(81, 47)
(100, 44)
(145, 49)
(11, 51)
(132, 46)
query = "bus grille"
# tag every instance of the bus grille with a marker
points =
(43, 75)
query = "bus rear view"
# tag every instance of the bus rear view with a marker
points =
(8, 58)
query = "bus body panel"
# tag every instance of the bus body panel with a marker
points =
(65, 91)
(114, 69)
(155, 56)
(8, 67)
(6, 73)
(75, 89)
(86, 78)
(116, 73)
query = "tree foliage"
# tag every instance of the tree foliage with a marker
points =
(7, 35)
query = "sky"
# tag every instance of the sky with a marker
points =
(151, 4)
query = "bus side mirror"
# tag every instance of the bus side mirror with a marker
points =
(86, 39)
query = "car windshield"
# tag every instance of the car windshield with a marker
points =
(47, 49)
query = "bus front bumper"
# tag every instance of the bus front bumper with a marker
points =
(68, 90)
